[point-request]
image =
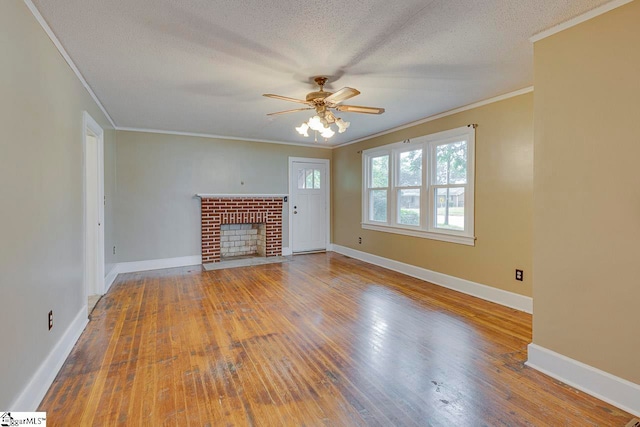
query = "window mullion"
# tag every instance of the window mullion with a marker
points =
(366, 214)
(389, 187)
(391, 193)
(428, 178)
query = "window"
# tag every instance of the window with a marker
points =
(309, 179)
(378, 188)
(409, 186)
(422, 187)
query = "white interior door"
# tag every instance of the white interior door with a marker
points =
(309, 206)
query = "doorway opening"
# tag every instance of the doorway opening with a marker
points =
(93, 148)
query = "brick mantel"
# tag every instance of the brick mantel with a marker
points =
(218, 209)
(236, 196)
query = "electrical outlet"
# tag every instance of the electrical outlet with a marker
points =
(359, 240)
(50, 319)
(114, 250)
(519, 275)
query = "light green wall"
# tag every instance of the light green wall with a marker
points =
(158, 175)
(41, 176)
(504, 189)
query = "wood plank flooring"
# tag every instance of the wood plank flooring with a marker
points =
(321, 340)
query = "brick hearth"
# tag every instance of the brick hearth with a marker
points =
(218, 210)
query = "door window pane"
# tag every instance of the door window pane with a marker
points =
(308, 178)
(451, 163)
(316, 179)
(409, 207)
(378, 205)
(450, 208)
(410, 168)
(380, 171)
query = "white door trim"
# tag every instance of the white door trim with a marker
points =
(89, 125)
(327, 198)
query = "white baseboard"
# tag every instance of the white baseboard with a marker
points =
(158, 264)
(609, 388)
(288, 251)
(31, 396)
(110, 278)
(499, 296)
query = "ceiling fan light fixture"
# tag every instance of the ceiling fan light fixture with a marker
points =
(323, 102)
(342, 125)
(302, 129)
(316, 124)
(327, 133)
(330, 117)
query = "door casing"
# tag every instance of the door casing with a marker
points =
(91, 127)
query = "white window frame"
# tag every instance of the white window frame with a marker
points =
(427, 228)
(395, 187)
(368, 188)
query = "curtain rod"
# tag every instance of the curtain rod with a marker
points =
(408, 140)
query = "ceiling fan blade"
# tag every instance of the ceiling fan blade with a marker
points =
(359, 109)
(289, 111)
(342, 95)
(285, 98)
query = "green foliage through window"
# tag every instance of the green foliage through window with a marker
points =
(409, 217)
(380, 172)
(378, 210)
(451, 163)
(410, 173)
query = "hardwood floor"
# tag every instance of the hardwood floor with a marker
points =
(321, 340)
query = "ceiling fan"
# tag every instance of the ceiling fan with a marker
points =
(323, 102)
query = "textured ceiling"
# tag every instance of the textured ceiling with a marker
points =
(201, 66)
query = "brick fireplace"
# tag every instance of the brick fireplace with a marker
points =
(217, 210)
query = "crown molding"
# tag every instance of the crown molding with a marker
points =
(74, 68)
(210, 136)
(441, 115)
(579, 19)
(36, 14)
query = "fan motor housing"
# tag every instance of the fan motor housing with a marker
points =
(320, 95)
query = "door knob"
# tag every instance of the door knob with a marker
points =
(295, 212)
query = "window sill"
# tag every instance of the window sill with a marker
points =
(451, 238)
